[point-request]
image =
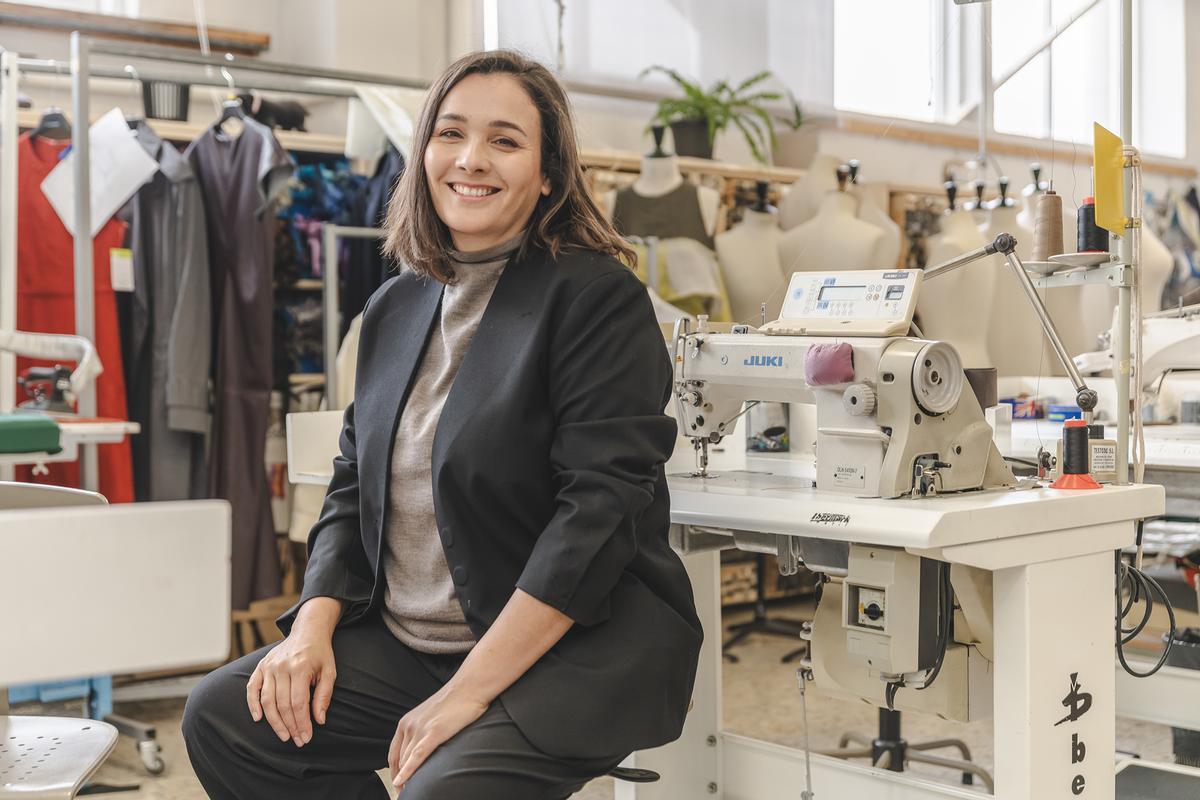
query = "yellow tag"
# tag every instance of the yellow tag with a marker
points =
(120, 264)
(1109, 171)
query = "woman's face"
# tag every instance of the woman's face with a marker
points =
(484, 161)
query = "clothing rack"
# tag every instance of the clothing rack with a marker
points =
(330, 234)
(295, 79)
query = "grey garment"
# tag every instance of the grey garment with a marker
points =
(240, 178)
(167, 347)
(421, 606)
(379, 680)
(674, 214)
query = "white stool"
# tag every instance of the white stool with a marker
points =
(47, 758)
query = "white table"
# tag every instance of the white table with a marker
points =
(1051, 555)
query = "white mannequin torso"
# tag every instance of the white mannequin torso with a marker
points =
(1097, 302)
(833, 239)
(803, 200)
(750, 265)
(659, 176)
(957, 306)
(1015, 338)
(872, 202)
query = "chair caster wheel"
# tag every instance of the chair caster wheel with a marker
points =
(151, 754)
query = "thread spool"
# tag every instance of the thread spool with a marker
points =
(1075, 472)
(1048, 227)
(1092, 238)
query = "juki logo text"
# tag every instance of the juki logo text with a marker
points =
(763, 361)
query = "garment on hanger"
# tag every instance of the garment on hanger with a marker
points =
(241, 178)
(674, 214)
(366, 267)
(167, 347)
(686, 275)
(46, 304)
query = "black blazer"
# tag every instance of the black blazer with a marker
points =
(547, 476)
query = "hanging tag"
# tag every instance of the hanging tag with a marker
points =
(120, 263)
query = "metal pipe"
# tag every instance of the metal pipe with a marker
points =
(959, 261)
(1007, 245)
(9, 78)
(159, 53)
(1125, 253)
(9, 75)
(1048, 327)
(329, 302)
(50, 67)
(84, 268)
(986, 88)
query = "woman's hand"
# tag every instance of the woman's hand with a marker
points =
(282, 681)
(427, 727)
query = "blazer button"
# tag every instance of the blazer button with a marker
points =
(460, 575)
(447, 537)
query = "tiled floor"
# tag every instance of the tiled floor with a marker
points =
(760, 700)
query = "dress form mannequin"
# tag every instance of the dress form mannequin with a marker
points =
(803, 200)
(1097, 302)
(749, 257)
(834, 239)
(1015, 338)
(659, 176)
(1065, 304)
(957, 306)
(872, 208)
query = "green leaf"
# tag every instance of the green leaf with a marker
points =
(753, 79)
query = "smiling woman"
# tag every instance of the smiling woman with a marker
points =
(500, 157)
(491, 607)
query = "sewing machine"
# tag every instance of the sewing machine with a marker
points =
(893, 415)
(914, 519)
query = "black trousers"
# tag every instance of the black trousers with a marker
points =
(379, 680)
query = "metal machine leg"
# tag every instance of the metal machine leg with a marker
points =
(761, 623)
(890, 751)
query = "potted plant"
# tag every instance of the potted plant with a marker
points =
(698, 116)
(797, 143)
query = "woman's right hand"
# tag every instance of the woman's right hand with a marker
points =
(284, 679)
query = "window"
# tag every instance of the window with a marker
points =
(613, 41)
(1076, 81)
(898, 84)
(912, 59)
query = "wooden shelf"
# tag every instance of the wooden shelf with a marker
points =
(111, 26)
(306, 285)
(617, 161)
(970, 144)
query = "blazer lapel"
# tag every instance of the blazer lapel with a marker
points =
(509, 313)
(402, 334)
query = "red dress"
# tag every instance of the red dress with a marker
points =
(46, 304)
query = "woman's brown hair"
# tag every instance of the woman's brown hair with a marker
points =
(565, 220)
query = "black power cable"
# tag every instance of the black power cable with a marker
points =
(945, 631)
(1141, 588)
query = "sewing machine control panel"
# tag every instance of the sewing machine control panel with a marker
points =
(853, 303)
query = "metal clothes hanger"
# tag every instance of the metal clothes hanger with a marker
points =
(133, 120)
(232, 107)
(53, 124)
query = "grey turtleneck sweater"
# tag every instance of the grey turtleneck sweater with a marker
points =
(421, 607)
